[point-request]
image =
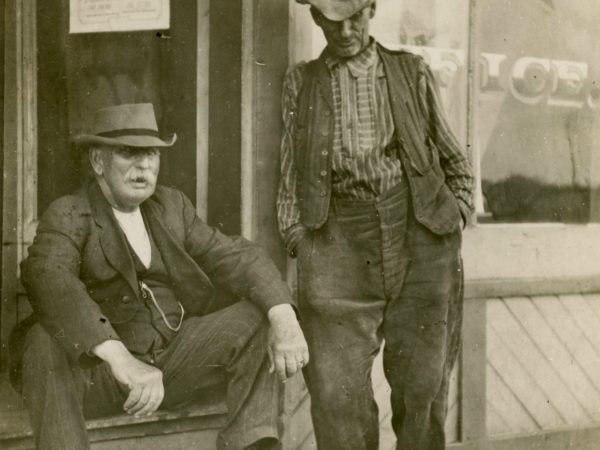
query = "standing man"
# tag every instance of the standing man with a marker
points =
(374, 193)
(121, 277)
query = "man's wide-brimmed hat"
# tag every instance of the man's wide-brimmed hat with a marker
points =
(337, 9)
(132, 125)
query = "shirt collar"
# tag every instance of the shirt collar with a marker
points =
(359, 64)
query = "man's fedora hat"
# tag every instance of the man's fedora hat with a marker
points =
(337, 10)
(132, 125)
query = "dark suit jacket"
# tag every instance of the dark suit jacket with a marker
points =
(80, 276)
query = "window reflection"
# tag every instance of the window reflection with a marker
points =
(538, 110)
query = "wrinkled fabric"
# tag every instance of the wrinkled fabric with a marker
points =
(374, 273)
(227, 347)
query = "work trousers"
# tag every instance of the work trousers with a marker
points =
(372, 273)
(226, 346)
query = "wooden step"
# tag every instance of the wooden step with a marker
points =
(195, 426)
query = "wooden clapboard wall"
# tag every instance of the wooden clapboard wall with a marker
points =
(543, 363)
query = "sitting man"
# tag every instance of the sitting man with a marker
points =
(120, 277)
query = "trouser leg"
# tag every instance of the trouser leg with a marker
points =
(54, 393)
(422, 331)
(228, 345)
(344, 413)
(341, 306)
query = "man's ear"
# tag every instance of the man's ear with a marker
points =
(96, 160)
(316, 15)
(372, 9)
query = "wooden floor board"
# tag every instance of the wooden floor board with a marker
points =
(309, 443)
(529, 356)
(584, 316)
(580, 348)
(521, 383)
(594, 301)
(508, 406)
(557, 354)
(451, 428)
(453, 391)
(453, 418)
(496, 425)
(300, 425)
(387, 437)
(382, 392)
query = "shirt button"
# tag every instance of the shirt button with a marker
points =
(323, 193)
(325, 132)
(126, 299)
(327, 113)
(323, 173)
(324, 153)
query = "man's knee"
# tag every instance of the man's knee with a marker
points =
(247, 325)
(251, 320)
(335, 390)
(251, 313)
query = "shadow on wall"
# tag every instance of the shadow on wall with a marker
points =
(524, 199)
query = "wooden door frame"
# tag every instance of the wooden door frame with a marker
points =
(265, 37)
(2, 70)
(19, 189)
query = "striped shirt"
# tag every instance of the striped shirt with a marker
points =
(362, 129)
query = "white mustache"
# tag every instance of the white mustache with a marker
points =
(139, 179)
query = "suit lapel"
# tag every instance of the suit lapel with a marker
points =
(178, 262)
(112, 240)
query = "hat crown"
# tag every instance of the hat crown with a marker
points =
(133, 116)
(337, 10)
(132, 125)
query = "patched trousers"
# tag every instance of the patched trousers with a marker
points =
(226, 346)
(373, 273)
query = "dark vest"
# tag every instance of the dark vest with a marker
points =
(145, 331)
(434, 205)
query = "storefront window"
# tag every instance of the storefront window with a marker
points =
(537, 116)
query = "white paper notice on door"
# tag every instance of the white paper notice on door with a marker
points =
(92, 16)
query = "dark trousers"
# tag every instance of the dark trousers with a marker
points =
(228, 345)
(372, 273)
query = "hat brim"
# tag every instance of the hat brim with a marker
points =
(84, 140)
(338, 16)
(337, 10)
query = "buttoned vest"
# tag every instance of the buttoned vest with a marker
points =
(433, 203)
(144, 329)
